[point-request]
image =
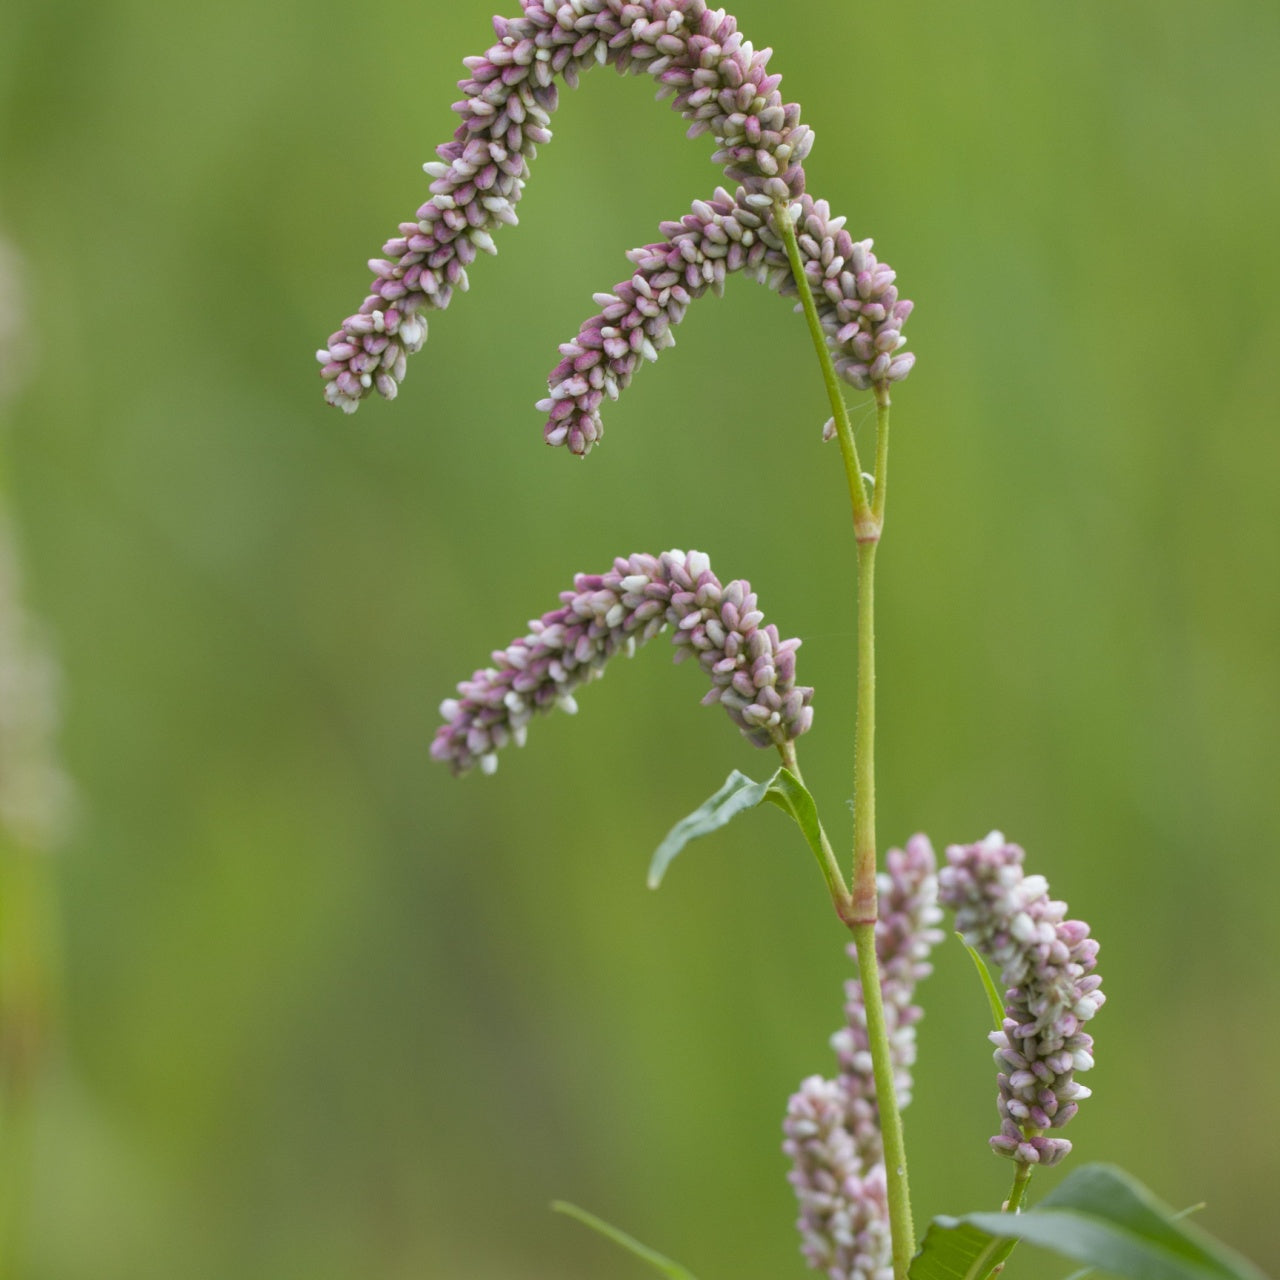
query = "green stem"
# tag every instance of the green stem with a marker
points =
(1021, 1181)
(882, 454)
(997, 1252)
(863, 517)
(868, 521)
(865, 907)
(865, 900)
(901, 1223)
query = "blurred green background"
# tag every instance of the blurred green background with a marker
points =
(331, 1013)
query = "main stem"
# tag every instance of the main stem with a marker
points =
(865, 898)
(868, 522)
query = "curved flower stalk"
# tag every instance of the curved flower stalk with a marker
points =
(1047, 962)
(34, 793)
(752, 670)
(721, 85)
(34, 807)
(14, 331)
(832, 1127)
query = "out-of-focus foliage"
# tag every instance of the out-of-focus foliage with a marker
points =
(1098, 1215)
(331, 1012)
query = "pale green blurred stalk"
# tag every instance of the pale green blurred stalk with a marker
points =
(32, 793)
(28, 1003)
(26, 947)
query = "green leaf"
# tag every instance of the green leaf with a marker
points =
(954, 1250)
(793, 798)
(672, 1270)
(1089, 1271)
(988, 983)
(1100, 1216)
(738, 794)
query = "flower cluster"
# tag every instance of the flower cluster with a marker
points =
(752, 670)
(1046, 962)
(858, 304)
(832, 1127)
(720, 84)
(725, 234)
(844, 1209)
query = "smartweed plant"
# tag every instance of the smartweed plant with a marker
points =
(843, 1132)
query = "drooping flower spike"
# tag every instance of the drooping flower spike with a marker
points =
(752, 670)
(832, 1128)
(721, 85)
(1046, 962)
(858, 304)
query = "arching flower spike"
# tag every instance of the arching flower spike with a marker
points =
(719, 83)
(752, 670)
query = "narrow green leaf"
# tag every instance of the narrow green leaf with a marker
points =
(672, 1270)
(988, 983)
(738, 794)
(793, 798)
(1103, 1217)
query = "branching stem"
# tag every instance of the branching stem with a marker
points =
(863, 518)
(868, 521)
